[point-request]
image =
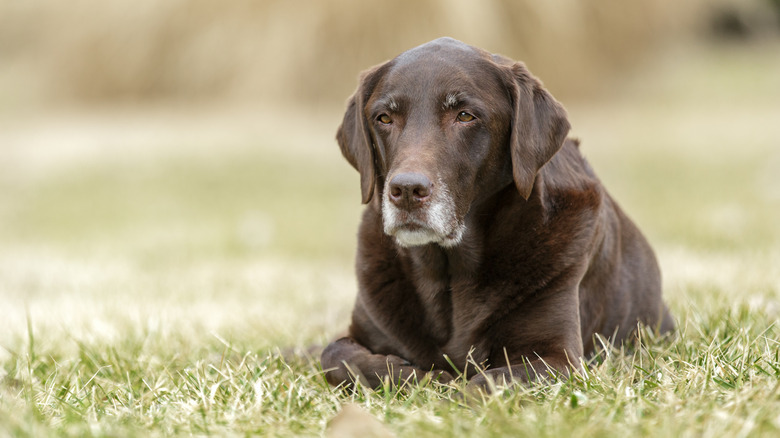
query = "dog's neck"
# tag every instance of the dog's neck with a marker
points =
(464, 259)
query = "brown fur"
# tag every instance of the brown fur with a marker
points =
(547, 259)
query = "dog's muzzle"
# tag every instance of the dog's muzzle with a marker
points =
(418, 212)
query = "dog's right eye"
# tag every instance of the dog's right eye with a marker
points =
(384, 119)
(465, 117)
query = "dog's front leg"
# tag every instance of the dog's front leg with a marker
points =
(541, 341)
(345, 361)
(528, 371)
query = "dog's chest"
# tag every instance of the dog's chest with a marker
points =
(435, 297)
(453, 304)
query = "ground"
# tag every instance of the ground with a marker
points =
(156, 263)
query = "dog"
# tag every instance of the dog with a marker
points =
(488, 247)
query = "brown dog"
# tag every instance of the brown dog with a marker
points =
(487, 237)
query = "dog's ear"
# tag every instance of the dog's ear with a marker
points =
(539, 127)
(354, 133)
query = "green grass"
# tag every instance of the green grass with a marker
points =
(159, 294)
(720, 377)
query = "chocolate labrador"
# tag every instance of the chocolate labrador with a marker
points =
(487, 238)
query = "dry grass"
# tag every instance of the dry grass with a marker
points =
(309, 51)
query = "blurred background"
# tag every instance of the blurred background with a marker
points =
(156, 149)
(309, 52)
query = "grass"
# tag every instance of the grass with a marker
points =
(156, 293)
(720, 377)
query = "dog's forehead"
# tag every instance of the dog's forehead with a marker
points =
(441, 49)
(440, 66)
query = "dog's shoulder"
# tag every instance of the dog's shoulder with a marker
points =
(569, 181)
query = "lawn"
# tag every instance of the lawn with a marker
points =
(158, 265)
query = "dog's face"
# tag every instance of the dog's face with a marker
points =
(441, 127)
(435, 118)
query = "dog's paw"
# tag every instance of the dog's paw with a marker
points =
(397, 360)
(441, 376)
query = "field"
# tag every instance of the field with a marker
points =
(156, 263)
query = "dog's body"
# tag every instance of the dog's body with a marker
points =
(487, 237)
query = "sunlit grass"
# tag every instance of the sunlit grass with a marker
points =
(719, 377)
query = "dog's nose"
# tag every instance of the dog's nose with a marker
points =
(409, 190)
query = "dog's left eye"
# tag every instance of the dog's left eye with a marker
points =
(465, 117)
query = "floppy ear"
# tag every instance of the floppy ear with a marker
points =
(354, 133)
(539, 127)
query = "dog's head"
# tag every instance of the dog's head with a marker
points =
(442, 126)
